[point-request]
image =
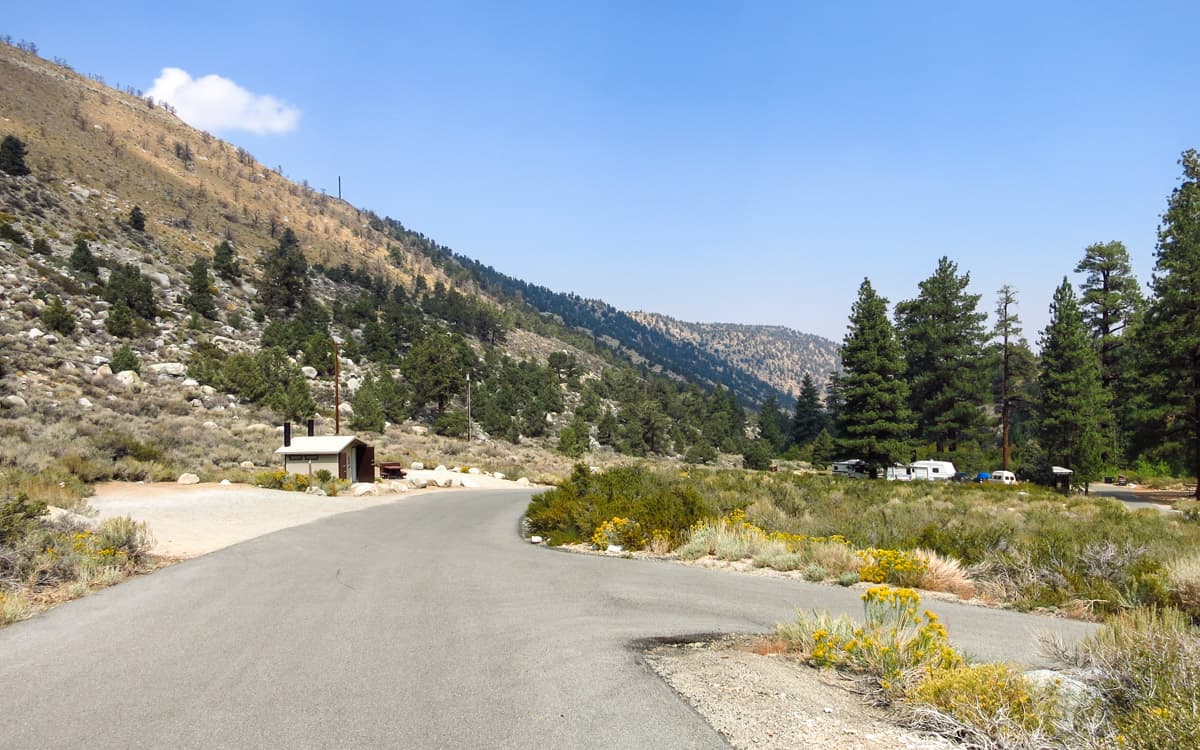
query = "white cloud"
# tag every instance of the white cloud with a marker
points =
(216, 103)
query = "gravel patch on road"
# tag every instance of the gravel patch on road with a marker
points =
(774, 702)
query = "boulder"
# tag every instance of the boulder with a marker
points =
(190, 383)
(174, 369)
(523, 482)
(85, 402)
(130, 379)
(440, 467)
(309, 372)
(247, 464)
(363, 488)
(13, 401)
(225, 481)
(498, 474)
(34, 333)
(98, 360)
(345, 409)
(417, 466)
(419, 430)
(473, 470)
(208, 391)
(196, 404)
(209, 425)
(188, 478)
(103, 371)
(418, 484)
(160, 278)
(469, 484)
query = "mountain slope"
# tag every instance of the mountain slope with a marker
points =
(777, 355)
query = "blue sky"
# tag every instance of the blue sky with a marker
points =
(712, 161)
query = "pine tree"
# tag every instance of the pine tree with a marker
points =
(1074, 405)
(1110, 300)
(199, 298)
(772, 425)
(127, 283)
(1008, 330)
(225, 262)
(823, 449)
(943, 337)
(874, 420)
(137, 219)
(57, 318)
(12, 156)
(810, 417)
(1170, 333)
(82, 261)
(120, 320)
(285, 276)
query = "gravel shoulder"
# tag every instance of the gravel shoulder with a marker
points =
(773, 702)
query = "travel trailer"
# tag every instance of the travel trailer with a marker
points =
(1003, 477)
(933, 470)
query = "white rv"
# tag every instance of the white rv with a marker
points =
(932, 470)
(1003, 477)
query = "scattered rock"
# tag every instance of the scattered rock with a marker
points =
(35, 333)
(309, 372)
(472, 470)
(417, 466)
(418, 484)
(345, 409)
(130, 379)
(419, 430)
(190, 383)
(498, 474)
(85, 402)
(247, 464)
(196, 404)
(209, 425)
(208, 391)
(535, 540)
(363, 488)
(523, 482)
(440, 467)
(174, 369)
(225, 481)
(188, 478)
(13, 402)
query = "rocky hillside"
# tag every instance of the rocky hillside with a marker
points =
(778, 355)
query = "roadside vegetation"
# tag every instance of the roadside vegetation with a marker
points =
(1130, 685)
(45, 560)
(1022, 546)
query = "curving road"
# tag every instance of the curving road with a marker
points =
(422, 624)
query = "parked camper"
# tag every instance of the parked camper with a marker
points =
(854, 468)
(935, 470)
(1003, 477)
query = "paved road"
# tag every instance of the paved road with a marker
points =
(424, 624)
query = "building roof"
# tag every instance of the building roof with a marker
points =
(323, 444)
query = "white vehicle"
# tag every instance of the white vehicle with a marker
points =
(1003, 477)
(933, 470)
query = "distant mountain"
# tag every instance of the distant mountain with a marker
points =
(776, 355)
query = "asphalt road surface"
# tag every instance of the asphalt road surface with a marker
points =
(424, 624)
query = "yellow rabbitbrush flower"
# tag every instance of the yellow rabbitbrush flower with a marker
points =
(624, 532)
(894, 639)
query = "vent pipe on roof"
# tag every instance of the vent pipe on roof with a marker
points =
(310, 427)
(287, 434)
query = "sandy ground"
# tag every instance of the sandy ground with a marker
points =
(192, 520)
(772, 702)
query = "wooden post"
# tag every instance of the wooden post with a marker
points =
(337, 392)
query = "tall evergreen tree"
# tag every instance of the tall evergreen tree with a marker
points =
(810, 417)
(1008, 330)
(1170, 333)
(285, 276)
(874, 420)
(943, 339)
(225, 262)
(1073, 402)
(12, 156)
(1110, 299)
(772, 425)
(199, 297)
(82, 260)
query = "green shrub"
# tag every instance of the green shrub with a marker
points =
(323, 476)
(126, 538)
(124, 359)
(17, 515)
(56, 317)
(119, 322)
(451, 424)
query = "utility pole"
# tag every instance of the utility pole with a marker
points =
(337, 388)
(339, 187)
(468, 407)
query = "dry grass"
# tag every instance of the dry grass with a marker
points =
(944, 574)
(1183, 575)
